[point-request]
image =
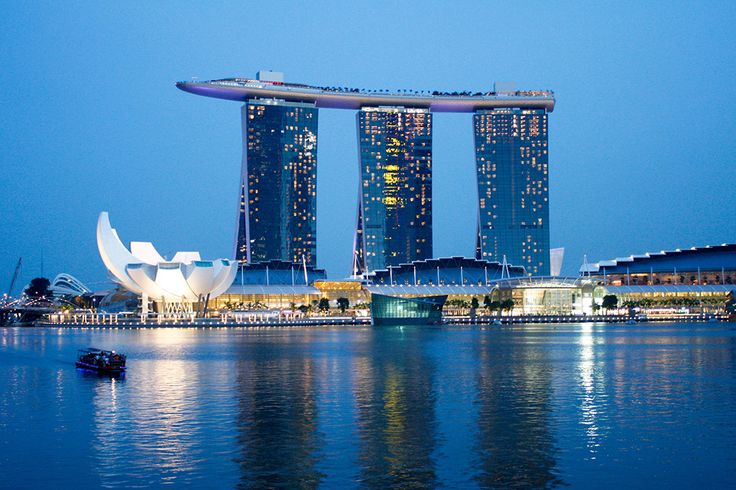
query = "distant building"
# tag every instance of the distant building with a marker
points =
(395, 205)
(668, 280)
(277, 216)
(460, 271)
(513, 187)
(278, 272)
(710, 265)
(67, 285)
(273, 283)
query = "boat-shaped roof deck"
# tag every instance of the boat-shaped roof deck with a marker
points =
(242, 89)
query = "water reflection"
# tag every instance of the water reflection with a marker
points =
(396, 413)
(515, 445)
(607, 406)
(277, 415)
(592, 390)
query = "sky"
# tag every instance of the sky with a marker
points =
(641, 142)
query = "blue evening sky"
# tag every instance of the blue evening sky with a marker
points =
(641, 142)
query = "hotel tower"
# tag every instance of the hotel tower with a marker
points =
(395, 202)
(513, 187)
(277, 212)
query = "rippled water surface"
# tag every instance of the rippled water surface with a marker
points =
(413, 407)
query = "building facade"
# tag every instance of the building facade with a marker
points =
(444, 271)
(398, 310)
(513, 187)
(277, 214)
(696, 266)
(697, 280)
(394, 222)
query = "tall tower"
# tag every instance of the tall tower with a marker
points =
(513, 187)
(277, 214)
(394, 222)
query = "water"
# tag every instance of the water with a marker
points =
(413, 407)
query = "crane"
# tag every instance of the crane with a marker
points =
(15, 275)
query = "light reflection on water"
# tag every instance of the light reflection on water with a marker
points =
(413, 407)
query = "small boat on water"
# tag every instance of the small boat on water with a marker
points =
(102, 361)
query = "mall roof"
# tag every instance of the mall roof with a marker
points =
(448, 263)
(429, 290)
(279, 290)
(672, 288)
(242, 89)
(692, 257)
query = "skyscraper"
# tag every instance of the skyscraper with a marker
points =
(277, 216)
(513, 187)
(395, 204)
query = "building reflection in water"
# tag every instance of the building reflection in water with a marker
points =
(277, 414)
(395, 403)
(160, 412)
(516, 448)
(591, 391)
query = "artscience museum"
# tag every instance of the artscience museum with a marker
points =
(175, 285)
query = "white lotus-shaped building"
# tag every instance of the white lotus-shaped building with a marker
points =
(184, 279)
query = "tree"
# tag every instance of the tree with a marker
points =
(39, 288)
(507, 304)
(610, 302)
(83, 302)
(303, 308)
(487, 303)
(343, 304)
(324, 305)
(495, 306)
(474, 303)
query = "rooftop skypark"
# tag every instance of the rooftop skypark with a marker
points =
(354, 98)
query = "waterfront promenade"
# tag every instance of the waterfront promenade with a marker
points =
(117, 321)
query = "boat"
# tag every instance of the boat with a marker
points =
(102, 361)
(630, 321)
